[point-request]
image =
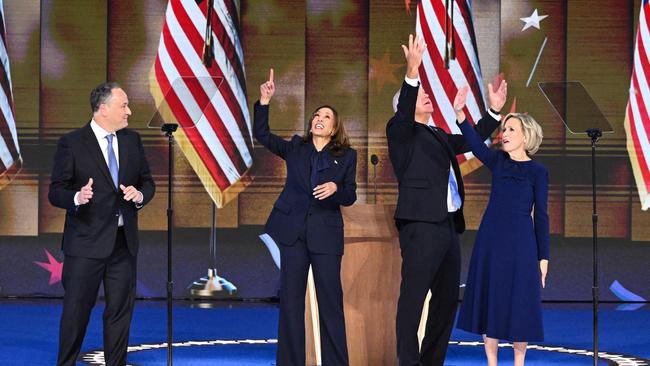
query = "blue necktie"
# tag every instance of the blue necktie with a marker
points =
(453, 188)
(112, 160)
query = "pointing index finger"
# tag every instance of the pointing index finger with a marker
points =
(271, 75)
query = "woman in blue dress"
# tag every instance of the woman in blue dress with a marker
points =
(510, 258)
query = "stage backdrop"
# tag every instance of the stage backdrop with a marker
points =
(345, 53)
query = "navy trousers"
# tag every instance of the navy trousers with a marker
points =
(295, 261)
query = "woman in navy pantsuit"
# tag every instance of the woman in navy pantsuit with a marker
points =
(306, 221)
(510, 257)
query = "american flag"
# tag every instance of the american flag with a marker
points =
(637, 115)
(209, 103)
(433, 18)
(10, 159)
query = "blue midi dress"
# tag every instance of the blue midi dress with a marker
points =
(503, 294)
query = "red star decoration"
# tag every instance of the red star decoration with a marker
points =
(53, 266)
(383, 71)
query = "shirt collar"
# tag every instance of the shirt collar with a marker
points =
(99, 132)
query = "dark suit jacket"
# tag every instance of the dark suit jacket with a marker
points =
(420, 159)
(90, 229)
(296, 206)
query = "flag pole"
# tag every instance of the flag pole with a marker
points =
(208, 47)
(212, 286)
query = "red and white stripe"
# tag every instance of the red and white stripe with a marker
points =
(441, 83)
(209, 103)
(637, 119)
(10, 159)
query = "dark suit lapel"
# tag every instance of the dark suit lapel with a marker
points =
(123, 148)
(90, 141)
(436, 134)
(442, 138)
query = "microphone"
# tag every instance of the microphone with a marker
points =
(374, 160)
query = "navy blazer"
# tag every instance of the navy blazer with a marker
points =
(296, 211)
(421, 158)
(90, 229)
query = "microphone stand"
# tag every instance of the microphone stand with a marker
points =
(169, 129)
(374, 161)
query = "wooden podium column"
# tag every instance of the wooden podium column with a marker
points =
(370, 274)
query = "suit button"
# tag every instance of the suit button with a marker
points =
(117, 215)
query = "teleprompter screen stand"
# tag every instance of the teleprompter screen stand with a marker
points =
(581, 116)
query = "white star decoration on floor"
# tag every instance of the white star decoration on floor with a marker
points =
(533, 20)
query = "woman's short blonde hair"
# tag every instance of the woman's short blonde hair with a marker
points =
(532, 131)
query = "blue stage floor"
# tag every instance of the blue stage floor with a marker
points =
(244, 334)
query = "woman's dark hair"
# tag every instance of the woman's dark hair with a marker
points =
(102, 94)
(339, 142)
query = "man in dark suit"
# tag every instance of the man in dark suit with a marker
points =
(101, 178)
(429, 213)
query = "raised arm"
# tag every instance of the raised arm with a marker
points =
(401, 125)
(261, 130)
(497, 96)
(486, 155)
